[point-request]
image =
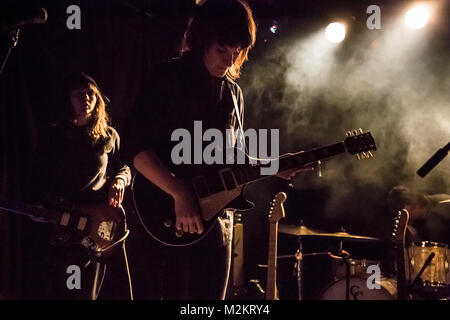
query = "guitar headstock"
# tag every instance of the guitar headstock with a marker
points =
(276, 207)
(400, 226)
(360, 143)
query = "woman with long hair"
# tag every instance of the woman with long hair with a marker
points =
(81, 167)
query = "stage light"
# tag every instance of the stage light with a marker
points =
(335, 32)
(417, 17)
(274, 27)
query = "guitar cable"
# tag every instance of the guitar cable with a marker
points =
(96, 288)
(128, 270)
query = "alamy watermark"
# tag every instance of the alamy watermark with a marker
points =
(74, 279)
(373, 281)
(219, 150)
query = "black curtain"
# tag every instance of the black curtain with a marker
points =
(117, 43)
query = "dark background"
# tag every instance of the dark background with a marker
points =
(120, 40)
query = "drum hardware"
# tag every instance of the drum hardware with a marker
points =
(415, 283)
(298, 266)
(429, 267)
(303, 231)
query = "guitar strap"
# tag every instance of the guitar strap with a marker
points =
(238, 116)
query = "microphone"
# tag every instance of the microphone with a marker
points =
(37, 16)
(433, 161)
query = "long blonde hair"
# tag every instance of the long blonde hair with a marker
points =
(99, 127)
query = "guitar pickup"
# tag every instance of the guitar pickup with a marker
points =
(82, 221)
(228, 179)
(65, 218)
(200, 186)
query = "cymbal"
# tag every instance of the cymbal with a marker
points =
(306, 232)
(297, 230)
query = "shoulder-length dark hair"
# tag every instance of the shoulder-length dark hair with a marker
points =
(227, 22)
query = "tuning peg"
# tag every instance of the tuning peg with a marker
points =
(364, 155)
(348, 133)
(355, 132)
(358, 156)
(370, 154)
(361, 130)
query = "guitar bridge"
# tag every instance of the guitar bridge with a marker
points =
(200, 186)
(228, 179)
(89, 243)
(105, 230)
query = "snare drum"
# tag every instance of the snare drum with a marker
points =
(435, 275)
(359, 290)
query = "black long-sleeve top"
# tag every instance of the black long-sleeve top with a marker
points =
(178, 93)
(78, 168)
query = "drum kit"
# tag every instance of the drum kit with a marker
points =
(364, 279)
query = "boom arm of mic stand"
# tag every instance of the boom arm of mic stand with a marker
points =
(14, 39)
(433, 161)
(425, 265)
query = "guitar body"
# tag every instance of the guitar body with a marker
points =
(97, 226)
(156, 211)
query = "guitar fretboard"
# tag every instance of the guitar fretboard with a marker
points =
(297, 160)
(234, 177)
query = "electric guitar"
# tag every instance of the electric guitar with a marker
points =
(398, 240)
(217, 188)
(275, 215)
(96, 226)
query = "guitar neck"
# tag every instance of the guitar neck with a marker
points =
(399, 233)
(33, 212)
(271, 286)
(253, 173)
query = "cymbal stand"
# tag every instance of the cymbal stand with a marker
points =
(299, 256)
(299, 268)
(344, 255)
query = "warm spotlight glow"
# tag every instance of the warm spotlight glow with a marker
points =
(335, 32)
(417, 17)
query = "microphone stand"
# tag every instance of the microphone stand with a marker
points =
(415, 283)
(13, 42)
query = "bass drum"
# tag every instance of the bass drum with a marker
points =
(360, 291)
